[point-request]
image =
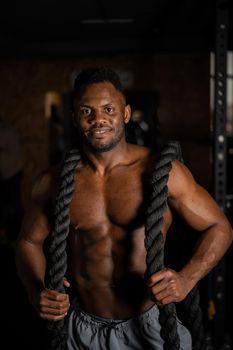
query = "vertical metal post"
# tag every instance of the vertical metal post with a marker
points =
(220, 157)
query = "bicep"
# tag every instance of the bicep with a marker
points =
(192, 202)
(35, 225)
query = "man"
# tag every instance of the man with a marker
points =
(113, 305)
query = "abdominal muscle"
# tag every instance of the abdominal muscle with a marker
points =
(107, 271)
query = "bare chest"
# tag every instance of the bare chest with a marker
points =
(118, 200)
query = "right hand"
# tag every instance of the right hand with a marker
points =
(51, 305)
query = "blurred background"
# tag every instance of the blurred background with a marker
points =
(175, 59)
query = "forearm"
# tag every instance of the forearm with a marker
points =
(210, 248)
(31, 265)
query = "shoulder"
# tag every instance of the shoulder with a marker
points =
(140, 152)
(142, 159)
(45, 186)
(180, 180)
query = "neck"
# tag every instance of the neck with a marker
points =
(101, 162)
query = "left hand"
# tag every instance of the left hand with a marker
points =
(167, 286)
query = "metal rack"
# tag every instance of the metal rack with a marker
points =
(220, 161)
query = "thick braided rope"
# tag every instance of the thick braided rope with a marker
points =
(155, 255)
(193, 318)
(154, 241)
(57, 257)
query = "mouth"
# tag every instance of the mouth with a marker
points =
(99, 131)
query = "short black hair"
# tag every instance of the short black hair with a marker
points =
(94, 75)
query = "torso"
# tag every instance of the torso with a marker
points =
(108, 257)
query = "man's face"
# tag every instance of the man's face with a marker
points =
(100, 114)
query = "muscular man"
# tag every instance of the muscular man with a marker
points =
(113, 306)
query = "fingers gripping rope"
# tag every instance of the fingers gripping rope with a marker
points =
(57, 262)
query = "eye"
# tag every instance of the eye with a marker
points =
(109, 109)
(85, 111)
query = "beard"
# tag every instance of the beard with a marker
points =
(106, 146)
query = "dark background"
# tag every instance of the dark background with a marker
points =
(161, 50)
(67, 28)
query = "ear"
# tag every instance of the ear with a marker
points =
(127, 114)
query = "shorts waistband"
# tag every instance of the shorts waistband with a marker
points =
(119, 324)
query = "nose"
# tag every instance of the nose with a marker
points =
(97, 117)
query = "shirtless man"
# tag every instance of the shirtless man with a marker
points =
(106, 237)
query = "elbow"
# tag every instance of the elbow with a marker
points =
(222, 233)
(227, 231)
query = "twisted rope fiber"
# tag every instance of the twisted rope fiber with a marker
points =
(57, 257)
(193, 318)
(154, 244)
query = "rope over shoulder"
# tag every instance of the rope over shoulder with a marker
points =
(57, 257)
(154, 241)
(158, 203)
(154, 244)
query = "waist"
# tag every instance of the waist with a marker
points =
(119, 311)
(121, 301)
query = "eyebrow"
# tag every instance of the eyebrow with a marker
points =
(88, 106)
(84, 106)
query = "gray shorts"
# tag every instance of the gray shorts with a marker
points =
(89, 332)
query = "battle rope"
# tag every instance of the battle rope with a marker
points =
(57, 257)
(154, 244)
